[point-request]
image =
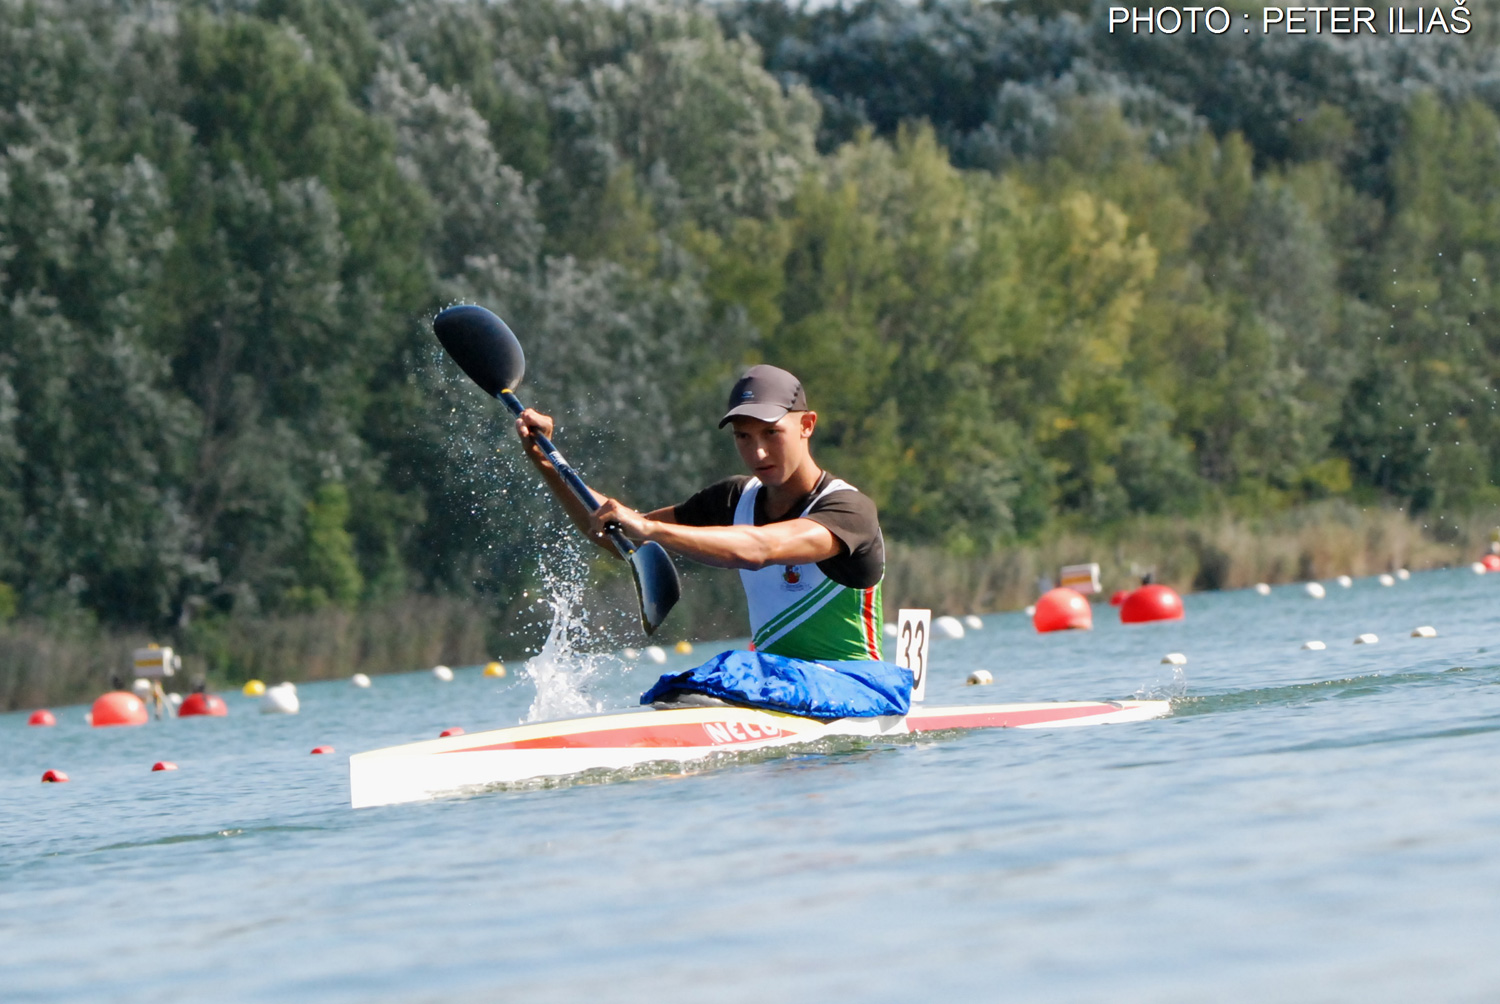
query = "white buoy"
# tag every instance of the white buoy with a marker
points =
(1264, 588)
(890, 629)
(980, 678)
(1478, 568)
(174, 699)
(1386, 579)
(1367, 639)
(442, 673)
(1174, 659)
(280, 700)
(1031, 610)
(632, 653)
(1425, 631)
(1344, 581)
(973, 623)
(1402, 574)
(360, 680)
(656, 654)
(1313, 646)
(142, 688)
(947, 627)
(1315, 590)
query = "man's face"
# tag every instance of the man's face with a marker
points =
(773, 451)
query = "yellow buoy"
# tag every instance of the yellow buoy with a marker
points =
(494, 669)
(684, 647)
(253, 688)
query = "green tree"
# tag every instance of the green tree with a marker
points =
(971, 337)
(327, 569)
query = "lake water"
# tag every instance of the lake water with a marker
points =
(1307, 826)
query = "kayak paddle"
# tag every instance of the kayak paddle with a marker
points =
(485, 348)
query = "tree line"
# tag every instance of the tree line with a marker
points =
(1034, 276)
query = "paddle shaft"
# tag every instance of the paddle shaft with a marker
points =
(570, 476)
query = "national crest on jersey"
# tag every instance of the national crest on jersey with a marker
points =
(796, 610)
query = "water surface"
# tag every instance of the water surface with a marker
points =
(1308, 826)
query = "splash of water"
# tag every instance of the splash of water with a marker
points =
(484, 466)
(564, 670)
(1160, 689)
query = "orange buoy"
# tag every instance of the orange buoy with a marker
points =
(1151, 603)
(456, 730)
(1117, 597)
(211, 705)
(164, 765)
(42, 716)
(54, 777)
(119, 707)
(1062, 609)
(1491, 562)
(322, 749)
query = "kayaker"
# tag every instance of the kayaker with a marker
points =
(808, 545)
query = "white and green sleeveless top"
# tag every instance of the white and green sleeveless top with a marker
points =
(797, 611)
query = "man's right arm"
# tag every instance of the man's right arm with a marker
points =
(532, 421)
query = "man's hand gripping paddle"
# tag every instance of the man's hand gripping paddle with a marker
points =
(485, 349)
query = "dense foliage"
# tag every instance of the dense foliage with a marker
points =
(1030, 272)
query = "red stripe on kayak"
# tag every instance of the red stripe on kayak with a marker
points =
(721, 733)
(919, 722)
(729, 732)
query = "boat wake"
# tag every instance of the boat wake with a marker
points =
(1345, 688)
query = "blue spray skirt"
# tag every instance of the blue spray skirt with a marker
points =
(796, 686)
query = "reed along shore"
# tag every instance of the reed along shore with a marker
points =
(71, 660)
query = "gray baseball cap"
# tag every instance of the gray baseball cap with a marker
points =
(766, 393)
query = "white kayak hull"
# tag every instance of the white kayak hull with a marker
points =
(622, 740)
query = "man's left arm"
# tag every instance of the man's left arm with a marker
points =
(790, 542)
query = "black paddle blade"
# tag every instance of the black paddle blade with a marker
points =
(483, 346)
(656, 584)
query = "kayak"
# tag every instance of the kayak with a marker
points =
(620, 741)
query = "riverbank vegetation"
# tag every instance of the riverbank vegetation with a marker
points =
(47, 662)
(1043, 283)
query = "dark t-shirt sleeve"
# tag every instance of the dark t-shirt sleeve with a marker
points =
(851, 517)
(714, 505)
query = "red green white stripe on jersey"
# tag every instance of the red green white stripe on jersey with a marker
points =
(832, 624)
(797, 611)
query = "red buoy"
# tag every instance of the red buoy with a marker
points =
(322, 749)
(42, 716)
(1151, 603)
(456, 730)
(1062, 609)
(119, 707)
(54, 777)
(1491, 562)
(164, 765)
(211, 705)
(1117, 597)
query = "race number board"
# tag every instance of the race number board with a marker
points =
(913, 639)
(154, 662)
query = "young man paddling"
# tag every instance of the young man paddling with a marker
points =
(808, 546)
